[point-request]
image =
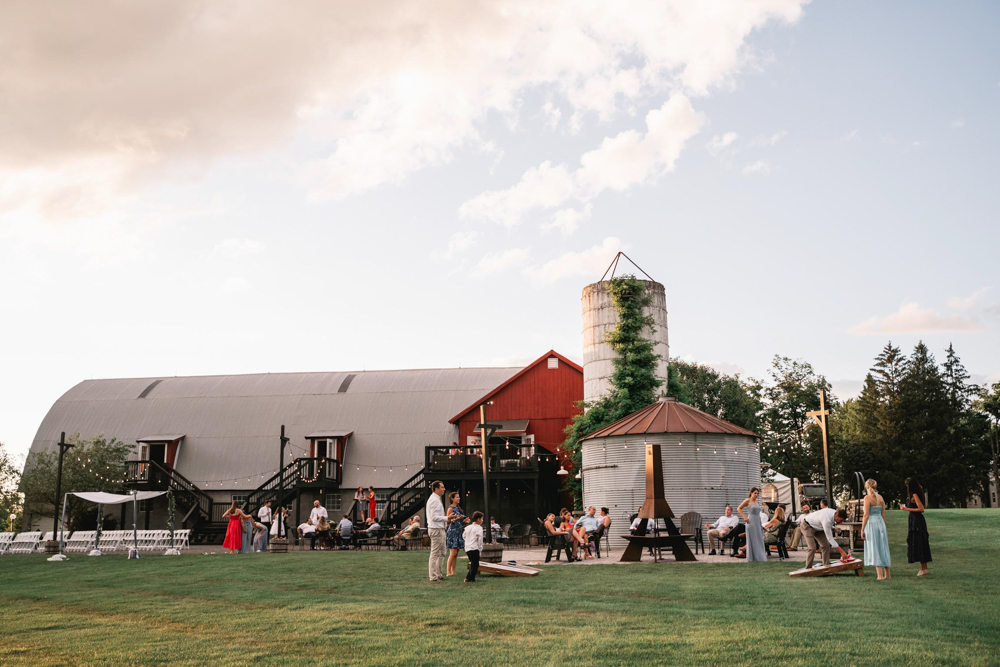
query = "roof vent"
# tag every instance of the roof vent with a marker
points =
(346, 383)
(553, 362)
(145, 392)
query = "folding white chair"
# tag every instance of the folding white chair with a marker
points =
(26, 543)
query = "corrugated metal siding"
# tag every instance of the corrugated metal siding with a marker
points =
(700, 474)
(232, 423)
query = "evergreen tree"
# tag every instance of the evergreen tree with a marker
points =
(924, 427)
(987, 406)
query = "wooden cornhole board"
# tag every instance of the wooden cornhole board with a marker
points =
(835, 567)
(506, 570)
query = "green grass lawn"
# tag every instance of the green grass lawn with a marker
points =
(378, 608)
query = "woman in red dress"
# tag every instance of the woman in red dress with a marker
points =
(371, 502)
(234, 531)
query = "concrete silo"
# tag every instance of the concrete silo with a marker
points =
(707, 463)
(599, 318)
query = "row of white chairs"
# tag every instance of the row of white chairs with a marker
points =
(83, 540)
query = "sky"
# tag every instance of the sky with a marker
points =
(196, 188)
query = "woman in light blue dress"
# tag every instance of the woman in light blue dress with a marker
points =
(756, 552)
(247, 546)
(874, 534)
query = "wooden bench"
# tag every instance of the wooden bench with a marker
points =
(677, 543)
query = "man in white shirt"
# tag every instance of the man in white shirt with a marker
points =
(721, 528)
(436, 519)
(264, 515)
(317, 512)
(817, 529)
(307, 528)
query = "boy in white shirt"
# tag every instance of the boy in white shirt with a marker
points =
(474, 545)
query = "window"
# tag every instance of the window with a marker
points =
(380, 502)
(144, 505)
(240, 499)
(553, 362)
(333, 502)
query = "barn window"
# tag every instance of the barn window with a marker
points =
(553, 362)
(333, 502)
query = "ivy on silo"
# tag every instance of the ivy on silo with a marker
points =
(633, 383)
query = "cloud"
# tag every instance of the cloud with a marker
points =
(460, 242)
(758, 167)
(237, 248)
(912, 318)
(552, 115)
(497, 262)
(720, 142)
(958, 123)
(234, 284)
(154, 91)
(567, 220)
(629, 158)
(968, 302)
(590, 262)
(765, 141)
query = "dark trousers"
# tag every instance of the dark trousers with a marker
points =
(318, 535)
(473, 564)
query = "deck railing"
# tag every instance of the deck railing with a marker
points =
(468, 459)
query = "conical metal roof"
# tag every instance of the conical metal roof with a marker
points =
(668, 415)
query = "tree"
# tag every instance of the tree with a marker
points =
(727, 397)
(10, 499)
(987, 404)
(97, 464)
(792, 442)
(633, 382)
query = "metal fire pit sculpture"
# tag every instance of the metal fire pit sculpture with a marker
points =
(656, 507)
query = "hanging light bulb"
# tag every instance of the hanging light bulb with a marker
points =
(626, 445)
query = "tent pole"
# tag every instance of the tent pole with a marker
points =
(61, 533)
(134, 551)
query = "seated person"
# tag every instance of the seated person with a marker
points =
(345, 531)
(373, 528)
(721, 528)
(771, 531)
(797, 535)
(495, 530)
(557, 538)
(590, 524)
(411, 531)
(307, 528)
(634, 528)
(321, 533)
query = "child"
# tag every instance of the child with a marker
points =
(473, 545)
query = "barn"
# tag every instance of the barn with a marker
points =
(298, 437)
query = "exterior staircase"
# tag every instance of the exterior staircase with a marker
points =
(197, 510)
(405, 501)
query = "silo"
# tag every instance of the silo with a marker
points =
(707, 463)
(599, 318)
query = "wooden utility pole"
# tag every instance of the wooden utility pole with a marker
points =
(821, 418)
(485, 431)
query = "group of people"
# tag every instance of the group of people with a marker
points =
(580, 538)
(246, 535)
(365, 503)
(815, 529)
(454, 531)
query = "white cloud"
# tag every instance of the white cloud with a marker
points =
(627, 159)
(237, 248)
(766, 141)
(460, 242)
(502, 261)
(958, 123)
(758, 167)
(912, 318)
(590, 262)
(160, 89)
(552, 115)
(968, 302)
(567, 220)
(234, 284)
(720, 142)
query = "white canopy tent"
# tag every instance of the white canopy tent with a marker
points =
(101, 498)
(787, 491)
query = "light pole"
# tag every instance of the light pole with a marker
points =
(52, 546)
(486, 430)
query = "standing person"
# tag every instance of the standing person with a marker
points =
(371, 502)
(436, 519)
(918, 546)
(359, 502)
(279, 526)
(453, 537)
(247, 546)
(318, 511)
(755, 530)
(264, 516)
(234, 531)
(874, 534)
(473, 544)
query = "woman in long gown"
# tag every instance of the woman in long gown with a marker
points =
(755, 530)
(247, 546)
(234, 531)
(874, 533)
(371, 502)
(918, 546)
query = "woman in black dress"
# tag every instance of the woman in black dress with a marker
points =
(918, 547)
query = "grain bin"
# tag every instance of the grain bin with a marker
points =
(599, 318)
(707, 462)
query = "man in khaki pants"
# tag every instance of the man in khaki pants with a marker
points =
(435, 530)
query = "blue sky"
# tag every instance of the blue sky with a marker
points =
(805, 180)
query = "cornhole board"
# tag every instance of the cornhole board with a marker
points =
(835, 567)
(506, 570)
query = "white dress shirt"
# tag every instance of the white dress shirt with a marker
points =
(436, 518)
(264, 515)
(318, 512)
(822, 520)
(307, 528)
(473, 537)
(726, 522)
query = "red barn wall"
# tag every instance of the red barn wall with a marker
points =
(547, 397)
